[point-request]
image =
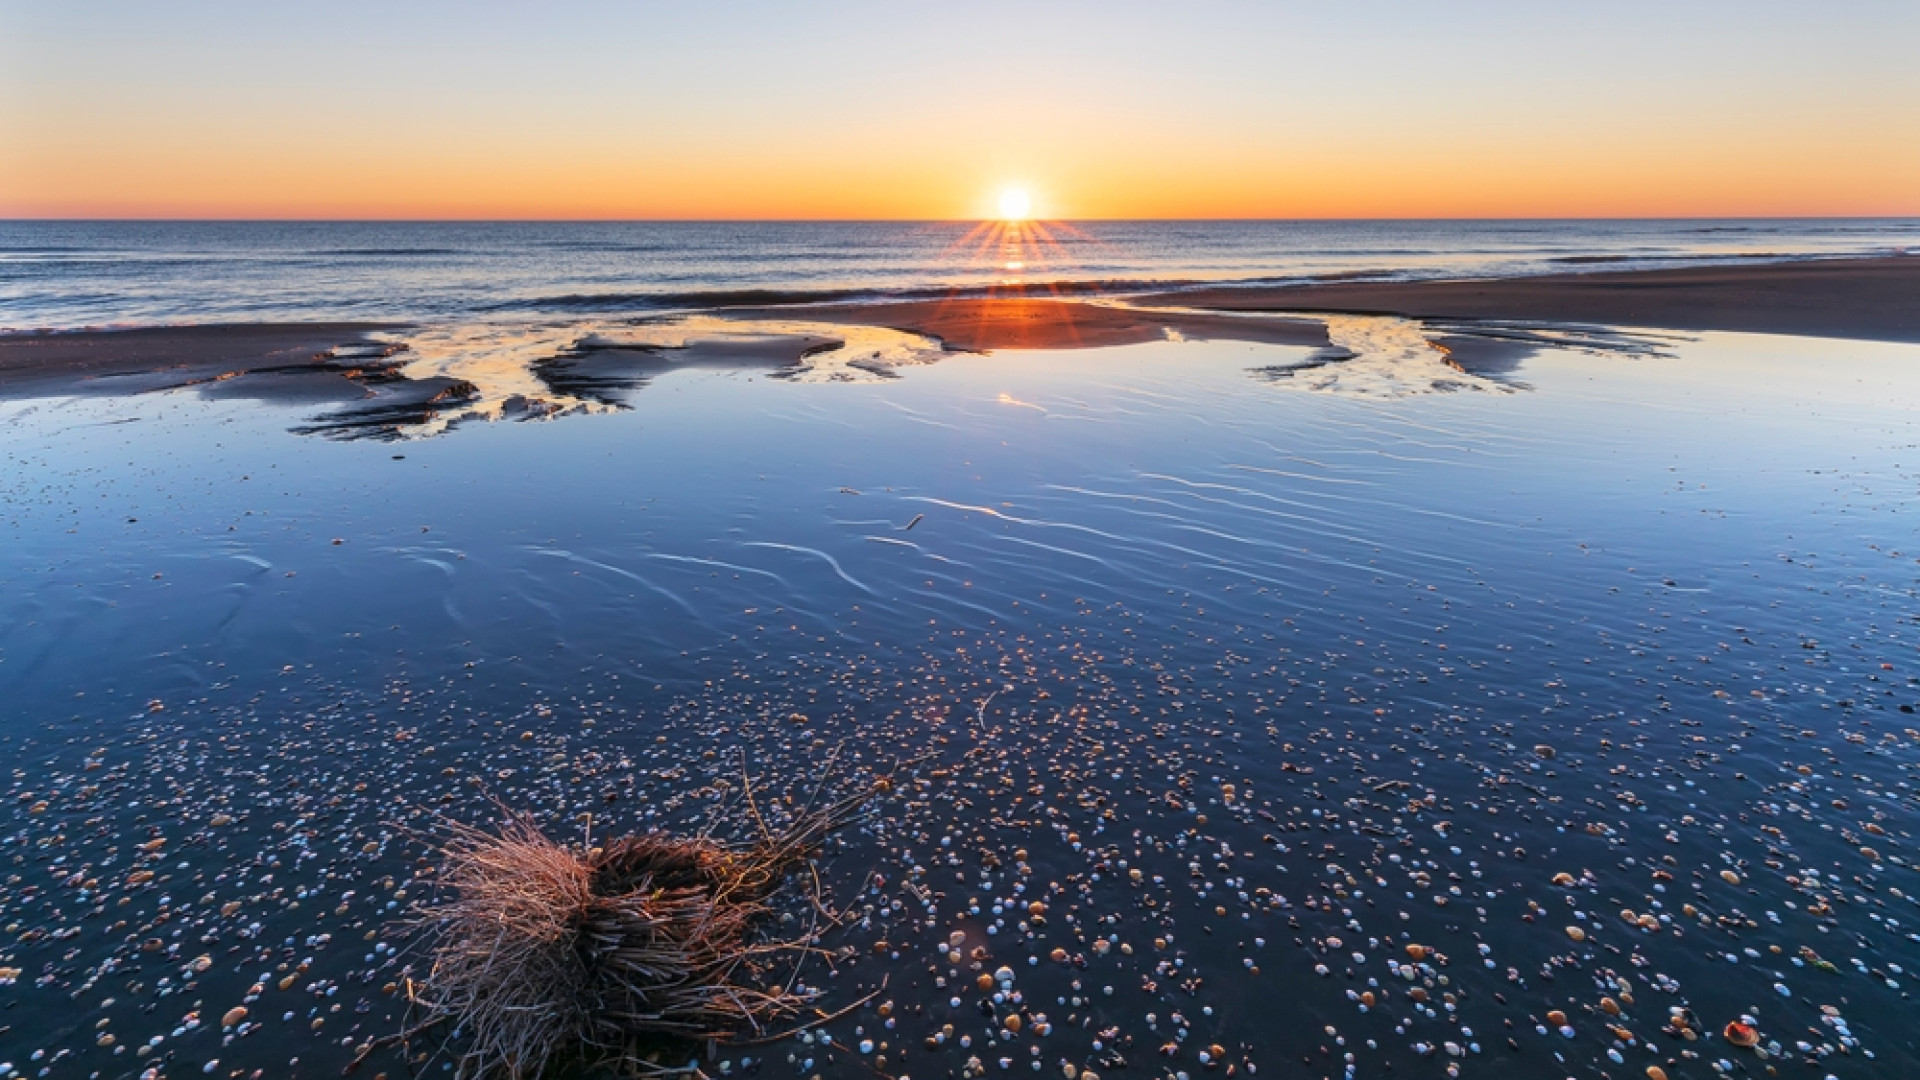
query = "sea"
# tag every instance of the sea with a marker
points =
(1552, 723)
(85, 273)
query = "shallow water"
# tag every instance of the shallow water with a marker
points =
(1631, 616)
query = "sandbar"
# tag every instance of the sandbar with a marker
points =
(1860, 298)
(1019, 321)
(1874, 299)
(301, 359)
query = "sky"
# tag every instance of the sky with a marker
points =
(1202, 108)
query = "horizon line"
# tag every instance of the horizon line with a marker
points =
(372, 220)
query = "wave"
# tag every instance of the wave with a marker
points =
(378, 252)
(1689, 260)
(59, 273)
(703, 298)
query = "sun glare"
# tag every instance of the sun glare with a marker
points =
(1015, 243)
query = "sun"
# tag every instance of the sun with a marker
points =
(1015, 205)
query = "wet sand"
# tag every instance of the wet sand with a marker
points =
(158, 358)
(610, 372)
(300, 364)
(1874, 299)
(1027, 322)
(1433, 735)
(389, 382)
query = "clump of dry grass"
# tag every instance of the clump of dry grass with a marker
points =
(545, 953)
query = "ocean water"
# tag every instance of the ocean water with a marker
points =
(70, 274)
(1539, 728)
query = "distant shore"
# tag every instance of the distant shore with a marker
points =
(1859, 298)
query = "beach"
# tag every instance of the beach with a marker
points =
(1020, 321)
(1874, 299)
(139, 359)
(846, 541)
(1582, 692)
(1867, 299)
(1504, 688)
(842, 541)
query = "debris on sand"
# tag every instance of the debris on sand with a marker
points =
(544, 953)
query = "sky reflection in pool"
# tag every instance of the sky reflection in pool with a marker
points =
(1124, 577)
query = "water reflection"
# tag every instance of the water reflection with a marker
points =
(496, 371)
(489, 371)
(398, 383)
(1372, 693)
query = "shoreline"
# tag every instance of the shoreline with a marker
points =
(304, 359)
(1872, 298)
(1020, 321)
(1875, 299)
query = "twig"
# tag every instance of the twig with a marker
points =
(747, 783)
(824, 1018)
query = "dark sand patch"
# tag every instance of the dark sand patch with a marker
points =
(301, 364)
(1875, 299)
(607, 371)
(294, 362)
(1492, 358)
(389, 406)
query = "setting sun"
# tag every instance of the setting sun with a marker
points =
(1015, 205)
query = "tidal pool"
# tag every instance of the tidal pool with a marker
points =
(1532, 733)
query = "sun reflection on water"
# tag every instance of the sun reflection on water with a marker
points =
(1019, 248)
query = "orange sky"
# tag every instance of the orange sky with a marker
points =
(869, 111)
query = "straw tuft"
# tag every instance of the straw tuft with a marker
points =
(546, 954)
